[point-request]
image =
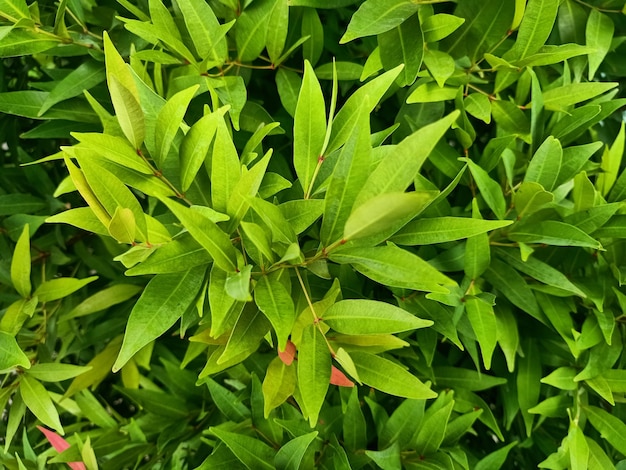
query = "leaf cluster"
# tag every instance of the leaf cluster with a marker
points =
(310, 234)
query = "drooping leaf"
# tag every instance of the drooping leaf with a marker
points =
(314, 364)
(358, 317)
(38, 401)
(251, 452)
(378, 16)
(163, 302)
(394, 266)
(275, 302)
(427, 231)
(387, 376)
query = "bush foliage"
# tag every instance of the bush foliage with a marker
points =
(312, 234)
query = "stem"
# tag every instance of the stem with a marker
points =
(605, 10)
(316, 319)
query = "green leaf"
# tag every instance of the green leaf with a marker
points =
(561, 378)
(301, 213)
(477, 250)
(428, 231)
(245, 190)
(455, 377)
(28, 104)
(208, 234)
(225, 167)
(556, 99)
(275, 302)
(238, 284)
(113, 149)
(314, 364)
(278, 385)
(290, 455)
(549, 55)
(364, 317)
(253, 453)
(598, 35)
(195, 146)
(249, 330)
(394, 266)
(403, 44)
(611, 161)
(552, 407)
(348, 116)
(398, 169)
(38, 401)
(552, 232)
(86, 76)
(496, 459)
(14, 10)
(122, 226)
(347, 179)
(511, 119)
(277, 29)
(309, 128)
(527, 380)
(10, 354)
(56, 372)
(377, 16)
(611, 428)
(288, 84)
(479, 106)
(483, 321)
(59, 288)
(433, 429)
(431, 92)
(207, 35)
(104, 299)
(541, 271)
(178, 255)
(169, 121)
(529, 198)
(545, 165)
(436, 27)
(382, 215)
(489, 190)
(227, 402)
(508, 281)
(20, 264)
(128, 111)
(486, 23)
(440, 65)
(387, 376)
(252, 29)
(535, 28)
(389, 458)
(19, 42)
(354, 427)
(115, 196)
(400, 427)
(19, 204)
(162, 303)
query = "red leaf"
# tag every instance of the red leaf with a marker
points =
(288, 354)
(60, 445)
(339, 378)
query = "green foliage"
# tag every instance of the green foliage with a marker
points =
(312, 234)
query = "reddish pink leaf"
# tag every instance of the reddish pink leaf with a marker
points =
(288, 354)
(339, 378)
(77, 465)
(57, 441)
(60, 445)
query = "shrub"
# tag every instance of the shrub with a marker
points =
(298, 234)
